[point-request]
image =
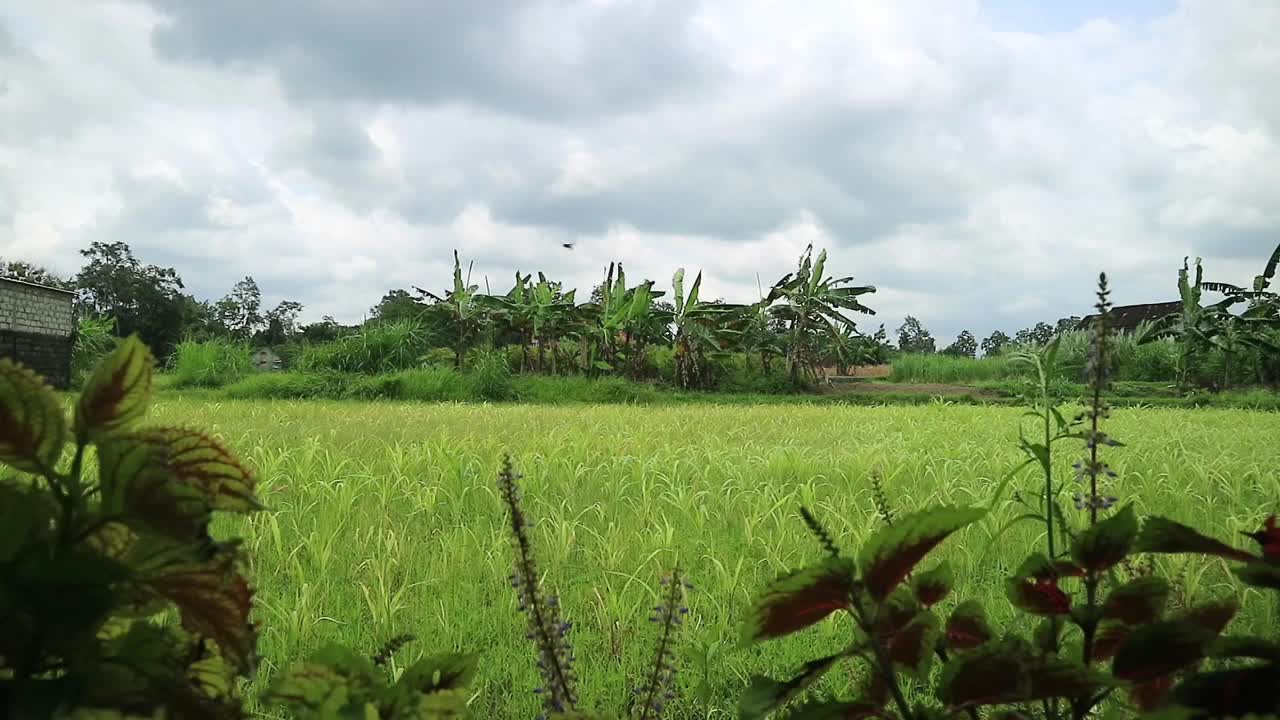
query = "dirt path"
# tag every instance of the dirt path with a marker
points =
(882, 388)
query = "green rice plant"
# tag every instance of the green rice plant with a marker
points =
(210, 363)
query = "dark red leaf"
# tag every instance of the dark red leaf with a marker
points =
(891, 554)
(1105, 544)
(1162, 535)
(1038, 597)
(1138, 601)
(967, 628)
(1108, 637)
(799, 599)
(1150, 695)
(1155, 650)
(912, 647)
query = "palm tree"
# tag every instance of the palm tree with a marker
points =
(700, 331)
(812, 306)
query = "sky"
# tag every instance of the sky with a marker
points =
(978, 162)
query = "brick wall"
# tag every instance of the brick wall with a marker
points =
(37, 328)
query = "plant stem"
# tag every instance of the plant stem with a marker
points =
(882, 663)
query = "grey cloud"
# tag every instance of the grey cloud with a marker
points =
(543, 58)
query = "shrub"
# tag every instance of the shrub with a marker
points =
(290, 386)
(95, 336)
(374, 348)
(210, 363)
(490, 375)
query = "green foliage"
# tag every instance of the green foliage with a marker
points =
(87, 562)
(374, 348)
(95, 337)
(210, 363)
(490, 375)
(1106, 617)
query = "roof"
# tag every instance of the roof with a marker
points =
(38, 285)
(1128, 317)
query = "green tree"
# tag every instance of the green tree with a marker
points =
(240, 310)
(32, 273)
(398, 305)
(964, 346)
(914, 338)
(812, 306)
(143, 299)
(281, 323)
(622, 323)
(994, 343)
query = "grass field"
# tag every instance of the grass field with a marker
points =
(385, 518)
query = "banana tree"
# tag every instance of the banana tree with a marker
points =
(1198, 328)
(812, 306)
(1262, 301)
(553, 317)
(621, 324)
(701, 332)
(465, 309)
(760, 331)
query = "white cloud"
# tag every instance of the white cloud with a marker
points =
(979, 177)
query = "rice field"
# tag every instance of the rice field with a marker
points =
(385, 518)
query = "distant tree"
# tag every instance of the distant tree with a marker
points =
(964, 346)
(143, 299)
(327, 330)
(1041, 334)
(32, 273)
(281, 323)
(1067, 323)
(914, 338)
(994, 343)
(240, 310)
(398, 305)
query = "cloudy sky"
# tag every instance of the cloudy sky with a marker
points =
(978, 162)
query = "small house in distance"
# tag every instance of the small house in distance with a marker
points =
(264, 359)
(1126, 318)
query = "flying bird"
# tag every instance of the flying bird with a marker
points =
(567, 246)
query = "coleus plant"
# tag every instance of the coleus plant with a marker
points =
(1108, 631)
(95, 556)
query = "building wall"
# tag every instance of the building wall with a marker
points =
(37, 329)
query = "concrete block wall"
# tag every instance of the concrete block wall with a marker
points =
(37, 329)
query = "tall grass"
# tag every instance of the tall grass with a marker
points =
(385, 519)
(1152, 362)
(95, 337)
(210, 363)
(374, 348)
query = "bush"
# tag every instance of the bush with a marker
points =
(490, 375)
(210, 363)
(374, 348)
(95, 337)
(290, 386)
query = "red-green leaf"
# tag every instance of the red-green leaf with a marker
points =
(440, 672)
(1108, 542)
(931, 586)
(967, 627)
(26, 518)
(893, 551)
(1213, 616)
(1151, 695)
(214, 600)
(799, 599)
(1160, 648)
(1162, 535)
(33, 428)
(766, 695)
(1108, 637)
(993, 674)
(138, 485)
(1245, 647)
(1138, 601)
(900, 608)
(1239, 693)
(1057, 678)
(1037, 597)
(855, 710)
(1259, 573)
(912, 647)
(117, 393)
(206, 464)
